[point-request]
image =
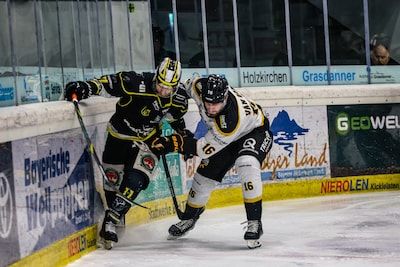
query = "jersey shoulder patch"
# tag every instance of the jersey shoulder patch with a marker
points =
(228, 121)
(133, 82)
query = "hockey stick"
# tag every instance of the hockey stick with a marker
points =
(179, 213)
(93, 151)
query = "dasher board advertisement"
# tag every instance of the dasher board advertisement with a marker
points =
(364, 139)
(299, 150)
(9, 246)
(54, 188)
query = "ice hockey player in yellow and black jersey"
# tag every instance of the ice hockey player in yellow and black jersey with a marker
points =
(238, 135)
(128, 161)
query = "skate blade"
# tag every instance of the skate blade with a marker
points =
(252, 244)
(173, 237)
(106, 244)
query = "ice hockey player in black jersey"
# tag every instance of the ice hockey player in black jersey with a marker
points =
(128, 160)
(238, 135)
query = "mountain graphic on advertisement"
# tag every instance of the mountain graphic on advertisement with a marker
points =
(286, 130)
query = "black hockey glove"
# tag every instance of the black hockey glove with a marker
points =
(186, 134)
(168, 144)
(80, 89)
(174, 143)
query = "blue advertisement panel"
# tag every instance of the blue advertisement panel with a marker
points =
(9, 247)
(319, 75)
(7, 90)
(54, 187)
(364, 139)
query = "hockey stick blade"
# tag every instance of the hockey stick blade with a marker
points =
(179, 213)
(92, 151)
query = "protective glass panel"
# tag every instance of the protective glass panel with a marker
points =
(221, 34)
(70, 41)
(140, 35)
(106, 42)
(162, 18)
(346, 32)
(190, 33)
(7, 90)
(262, 33)
(25, 41)
(307, 32)
(121, 36)
(384, 25)
(52, 79)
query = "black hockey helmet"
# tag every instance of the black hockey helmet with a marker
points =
(216, 89)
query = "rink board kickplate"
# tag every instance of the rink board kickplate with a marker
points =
(73, 247)
(299, 188)
(63, 251)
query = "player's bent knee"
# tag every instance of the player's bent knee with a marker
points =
(200, 191)
(133, 182)
(248, 168)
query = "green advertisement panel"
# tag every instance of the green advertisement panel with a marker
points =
(364, 139)
(158, 187)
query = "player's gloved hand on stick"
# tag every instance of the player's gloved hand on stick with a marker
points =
(80, 89)
(168, 144)
(186, 134)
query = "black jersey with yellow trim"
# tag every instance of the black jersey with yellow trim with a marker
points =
(140, 109)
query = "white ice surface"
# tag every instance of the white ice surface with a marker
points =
(347, 230)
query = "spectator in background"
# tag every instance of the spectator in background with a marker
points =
(380, 55)
(158, 45)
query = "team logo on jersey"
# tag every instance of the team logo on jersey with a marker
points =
(145, 111)
(142, 87)
(112, 175)
(148, 162)
(266, 145)
(223, 122)
(204, 163)
(250, 143)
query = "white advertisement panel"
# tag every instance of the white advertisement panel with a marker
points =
(300, 148)
(385, 74)
(264, 76)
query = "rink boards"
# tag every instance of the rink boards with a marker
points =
(49, 207)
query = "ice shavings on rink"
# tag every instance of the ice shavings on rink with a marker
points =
(347, 230)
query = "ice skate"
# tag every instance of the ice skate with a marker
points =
(108, 234)
(181, 228)
(253, 233)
